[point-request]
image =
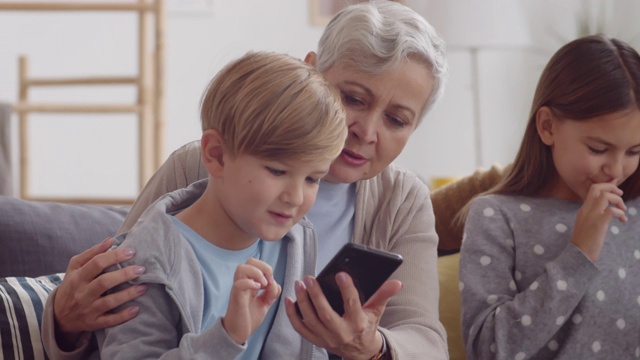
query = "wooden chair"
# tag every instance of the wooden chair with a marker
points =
(149, 83)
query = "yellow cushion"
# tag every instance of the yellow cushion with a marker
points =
(450, 304)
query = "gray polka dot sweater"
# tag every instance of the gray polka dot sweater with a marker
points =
(528, 293)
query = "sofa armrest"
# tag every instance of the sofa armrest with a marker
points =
(450, 199)
(39, 238)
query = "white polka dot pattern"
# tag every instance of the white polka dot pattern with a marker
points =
(538, 249)
(622, 273)
(485, 260)
(576, 319)
(525, 272)
(518, 275)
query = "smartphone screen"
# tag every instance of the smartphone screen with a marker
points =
(368, 267)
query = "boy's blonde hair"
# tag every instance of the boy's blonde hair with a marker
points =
(274, 106)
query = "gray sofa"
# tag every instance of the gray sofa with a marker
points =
(37, 240)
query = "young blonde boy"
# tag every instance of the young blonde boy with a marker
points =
(271, 127)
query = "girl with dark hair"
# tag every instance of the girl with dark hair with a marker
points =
(550, 254)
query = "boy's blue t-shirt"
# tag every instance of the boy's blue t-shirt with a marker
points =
(218, 267)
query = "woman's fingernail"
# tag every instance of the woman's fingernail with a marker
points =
(129, 252)
(299, 286)
(341, 278)
(308, 282)
(141, 288)
(134, 310)
(139, 270)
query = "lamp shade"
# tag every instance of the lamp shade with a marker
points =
(477, 23)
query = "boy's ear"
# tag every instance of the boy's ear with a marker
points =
(311, 58)
(545, 120)
(213, 151)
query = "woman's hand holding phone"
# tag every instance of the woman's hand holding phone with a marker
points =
(354, 334)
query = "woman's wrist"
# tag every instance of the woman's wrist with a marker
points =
(382, 353)
(70, 342)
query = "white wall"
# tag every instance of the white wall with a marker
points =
(94, 155)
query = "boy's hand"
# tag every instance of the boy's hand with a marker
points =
(602, 204)
(247, 308)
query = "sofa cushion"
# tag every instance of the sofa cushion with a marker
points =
(450, 304)
(39, 238)
(21, 305)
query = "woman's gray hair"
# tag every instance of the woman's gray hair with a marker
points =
(375, 36)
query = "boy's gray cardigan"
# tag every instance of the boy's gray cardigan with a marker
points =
(169, 325)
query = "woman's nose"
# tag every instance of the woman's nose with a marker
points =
(364, 128)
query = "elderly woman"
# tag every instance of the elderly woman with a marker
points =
(389, 66)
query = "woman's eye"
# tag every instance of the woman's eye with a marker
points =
(633, 152)
(275, 172)
(350, 100)
(397, 122)
(312, 180)
(596, 151)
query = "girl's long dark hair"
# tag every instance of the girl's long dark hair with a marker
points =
(588, 77)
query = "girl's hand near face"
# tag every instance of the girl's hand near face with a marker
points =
(602, 204)
(354, 335)
(247, 307)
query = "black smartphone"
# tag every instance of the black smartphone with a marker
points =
(368, 267)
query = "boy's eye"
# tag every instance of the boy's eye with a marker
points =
(596, 151)
(312, 180)
(275, 172)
